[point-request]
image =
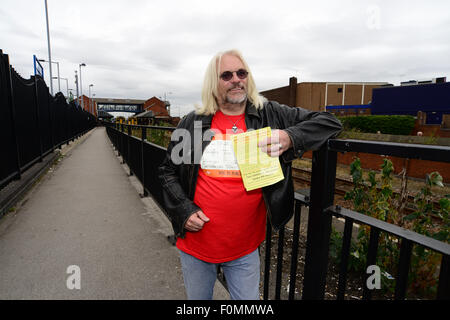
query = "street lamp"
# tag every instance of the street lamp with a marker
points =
(67, 84)
(51, 80)
(49, 50)
(90, 107)
(94, 108)
(81, 86)
(76, 83)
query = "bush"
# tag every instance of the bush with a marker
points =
(159, 137)
(401, 125)
(374, 196)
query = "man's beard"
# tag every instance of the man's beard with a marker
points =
(238, 99)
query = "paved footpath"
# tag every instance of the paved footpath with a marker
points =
(86, 212)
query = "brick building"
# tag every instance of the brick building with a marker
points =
(90, 105)
(317, 95)
(159, 108)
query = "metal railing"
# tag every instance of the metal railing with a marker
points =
(34, 123)
(321, 209)
(144, 157)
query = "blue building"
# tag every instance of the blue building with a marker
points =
(430, 97)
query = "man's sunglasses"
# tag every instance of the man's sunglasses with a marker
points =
(228, 75)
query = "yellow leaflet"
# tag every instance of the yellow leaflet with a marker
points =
(257, 168)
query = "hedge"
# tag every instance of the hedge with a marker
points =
(402, 125)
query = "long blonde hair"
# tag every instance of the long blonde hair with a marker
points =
(211, 81)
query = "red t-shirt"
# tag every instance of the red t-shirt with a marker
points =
(237, 217)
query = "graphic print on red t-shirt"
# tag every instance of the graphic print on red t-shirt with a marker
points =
(237, 217)
(218, 160)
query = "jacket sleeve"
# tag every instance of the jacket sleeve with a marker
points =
(175, 199)
(307, 129)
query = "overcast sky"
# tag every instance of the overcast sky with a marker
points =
(143, 48)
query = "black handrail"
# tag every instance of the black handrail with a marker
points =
(319, 198)
(34, 123)
(401, 150)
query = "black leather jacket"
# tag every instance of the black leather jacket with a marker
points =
(308, 130)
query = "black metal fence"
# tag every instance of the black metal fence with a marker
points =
(33, 123)
(143, 158)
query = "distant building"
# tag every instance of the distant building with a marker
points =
(151, 111)
(430, 98)
(427, 100)
(103, 115)
(317, 95)
(159, 108)
(119, 105)
(89, 104)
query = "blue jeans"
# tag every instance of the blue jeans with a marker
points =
(242, 276)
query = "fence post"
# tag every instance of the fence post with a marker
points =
(129, 132)
(118, 139)
(268, 248)
(122, 130)
(12, 107)
(38, 121)
(66, 114)
(319, 223)
(143, 137)
(443, 292)
(51, 117)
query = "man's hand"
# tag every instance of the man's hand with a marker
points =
(276, 144)
(196, 221)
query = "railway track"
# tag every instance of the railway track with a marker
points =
(303, 176)
(342, 186)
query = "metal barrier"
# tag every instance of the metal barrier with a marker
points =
(143, 158)
(321, 210)
(33, 122)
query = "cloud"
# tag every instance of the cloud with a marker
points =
(144, 48)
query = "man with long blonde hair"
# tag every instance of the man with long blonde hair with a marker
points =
(216, 221)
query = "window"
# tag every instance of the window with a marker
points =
(339, 90)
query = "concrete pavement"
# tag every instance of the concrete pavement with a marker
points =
(86, 212)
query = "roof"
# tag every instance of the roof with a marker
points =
(104, 114)
(146, 114)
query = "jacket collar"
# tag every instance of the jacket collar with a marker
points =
(250, 110)
(206, 120)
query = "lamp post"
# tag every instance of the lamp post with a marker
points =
(94, 108)
(81, 86)
(67, 84)
(76, 83)
(90, 106)
(51, 78)
(49, 50)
